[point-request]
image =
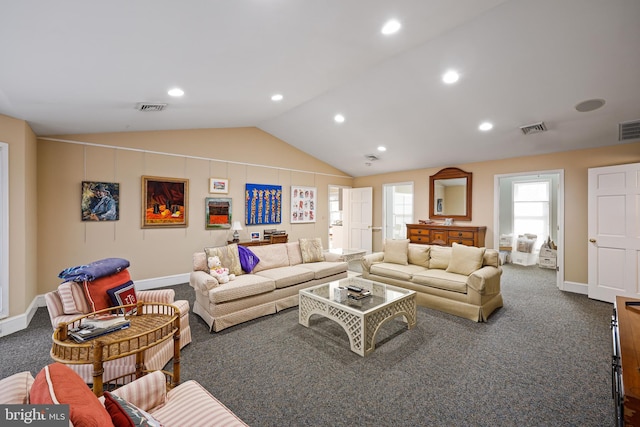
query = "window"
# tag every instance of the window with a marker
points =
(531, 210)
(397, 209)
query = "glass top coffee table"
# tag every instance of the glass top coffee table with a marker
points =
(360, 319)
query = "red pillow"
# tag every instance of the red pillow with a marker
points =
(96, 290)
(59, 384)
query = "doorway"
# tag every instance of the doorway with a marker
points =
(4, 230)
(529, 211)
(337, 234)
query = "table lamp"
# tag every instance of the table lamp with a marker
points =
(236, 227)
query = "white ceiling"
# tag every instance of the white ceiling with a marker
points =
(69, 67)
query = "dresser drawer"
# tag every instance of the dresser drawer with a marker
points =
(439, 237)
(419, 239)
(461, 235)
(418, 232)
(466, 242)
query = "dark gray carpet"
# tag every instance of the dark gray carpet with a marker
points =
(541, 360)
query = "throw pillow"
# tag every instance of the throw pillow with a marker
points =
(418, 254)
(96, 291)
(229, 257)
(14, 390)
(465, 259)
(124, 294)
(59, 384)
(311, 250)
(125, 414)
(440, 256)
(396, 251)
(73, 298)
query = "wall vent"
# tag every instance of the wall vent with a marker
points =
(533, 128)
(629, 130)
(148, 106)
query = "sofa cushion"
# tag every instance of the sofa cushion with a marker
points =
(293, 250)
(418, 254)
(439, 257)
(125, 414)
(325, 268)
(441, 279)
(200, 262)
(73, 298)
(271, 256)
(465, 259)
(242, 287)
(311, 250)
(228, 255)
(396, 251)
(14, 390)
(96, 290)
(287, 276)
(396, 271)
(58, 384)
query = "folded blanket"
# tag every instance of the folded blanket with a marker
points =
(94, 270)
(248, 260)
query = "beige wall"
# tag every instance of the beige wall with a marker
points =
(575, 165)
(23, 243)
(241, 155)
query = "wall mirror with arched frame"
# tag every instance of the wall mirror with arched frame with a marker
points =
(450, 191)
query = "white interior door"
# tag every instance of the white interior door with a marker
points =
(614, 231)
(359, 212)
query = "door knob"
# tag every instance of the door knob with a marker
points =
(592, 240)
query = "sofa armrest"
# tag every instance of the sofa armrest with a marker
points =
(165, 296)
(202, 282)
(370, 259)
(485, 280)
(146, 392)
(332, 257)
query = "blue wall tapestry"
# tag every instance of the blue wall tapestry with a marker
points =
(262, 204)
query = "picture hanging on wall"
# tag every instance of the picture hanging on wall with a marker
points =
(303, 204)
(164, 202)
(262, 204)
(218, 185)
(100, 201)
(217, 213)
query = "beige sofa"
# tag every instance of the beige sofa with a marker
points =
(187, 404)
(272, 286)
(460, 280)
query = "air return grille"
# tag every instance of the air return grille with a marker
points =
(629, 130)
(147, 106)
(533, 128)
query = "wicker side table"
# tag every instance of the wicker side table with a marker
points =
(152, 324)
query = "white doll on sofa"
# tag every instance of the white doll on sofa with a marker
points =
(216, 269)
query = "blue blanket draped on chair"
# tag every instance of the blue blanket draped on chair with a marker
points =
(94, 270)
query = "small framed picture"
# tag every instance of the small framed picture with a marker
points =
(218, 185)
(255, 236)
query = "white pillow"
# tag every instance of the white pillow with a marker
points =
(440, 257)
(465, 259)
(396, 251)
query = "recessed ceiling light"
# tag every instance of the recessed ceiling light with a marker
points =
(176, 92)
(277, 97)
(450, 77)
(382, 148)
(339, 118)
(589, 105)
(485, 126)
(390, 27)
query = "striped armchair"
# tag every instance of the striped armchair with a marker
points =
(69, 302)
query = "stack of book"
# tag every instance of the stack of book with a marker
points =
(357, 293)
(92, 327)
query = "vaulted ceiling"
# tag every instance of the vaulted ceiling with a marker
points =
(70, 67)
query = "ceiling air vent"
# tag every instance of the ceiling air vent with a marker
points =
(533, 128)
(147, 106)
(371, 157)
(629, 130)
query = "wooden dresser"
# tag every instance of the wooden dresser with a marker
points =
(625, 328)
(445, 235)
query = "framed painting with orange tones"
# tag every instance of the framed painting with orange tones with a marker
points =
(165, 202)
(217, 213)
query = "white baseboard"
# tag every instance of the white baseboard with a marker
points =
(578, 288)
(17, 323)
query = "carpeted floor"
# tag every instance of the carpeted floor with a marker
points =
(541, 360)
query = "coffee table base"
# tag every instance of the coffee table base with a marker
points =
(361, 328)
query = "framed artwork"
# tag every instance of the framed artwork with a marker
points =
(165, 202)
(218, 185)
(439, 209)
(255, 236)
(217, 213)
(262, 204)
(303, 204)
(100, 201)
